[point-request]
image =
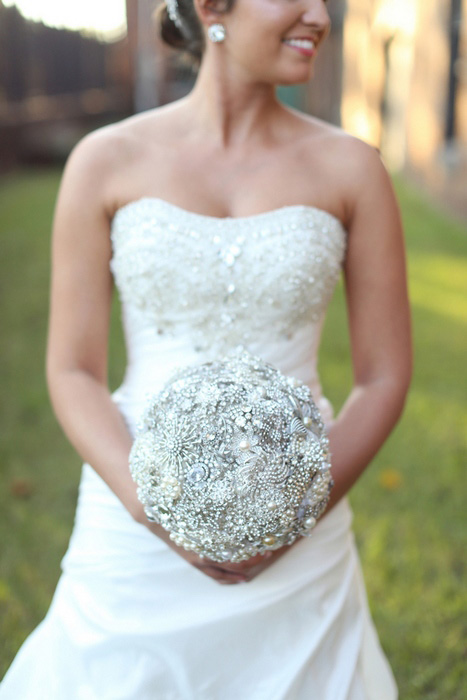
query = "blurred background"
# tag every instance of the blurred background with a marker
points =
(392, 72)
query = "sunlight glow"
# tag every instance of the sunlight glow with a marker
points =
(397, 15)
(106, 18)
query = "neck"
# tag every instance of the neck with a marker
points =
(230, 109)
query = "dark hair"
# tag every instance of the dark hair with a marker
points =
(191, 39)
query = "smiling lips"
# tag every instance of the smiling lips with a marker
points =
(304, 46)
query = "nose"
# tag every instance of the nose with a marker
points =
(316, 15)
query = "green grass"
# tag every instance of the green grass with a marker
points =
(407, 505)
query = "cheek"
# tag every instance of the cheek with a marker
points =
(257, 46)
(260, 27)
(257, 32)
(267, 59)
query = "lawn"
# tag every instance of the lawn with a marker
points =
(407, 505)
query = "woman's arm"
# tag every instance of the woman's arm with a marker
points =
(380, 328)
(80, 302)
(379, 320)
(79, 319)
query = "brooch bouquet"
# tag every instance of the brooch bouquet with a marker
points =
(232, 458)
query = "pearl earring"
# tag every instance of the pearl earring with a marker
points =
(216, 32)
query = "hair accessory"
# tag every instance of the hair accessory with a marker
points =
(173, 12)
(232, 458)
(216, 32)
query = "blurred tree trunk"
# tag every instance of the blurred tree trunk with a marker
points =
(150, 65)
(323, 95)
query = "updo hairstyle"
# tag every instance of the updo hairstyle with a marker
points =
(191, 39)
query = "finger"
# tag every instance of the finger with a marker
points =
(222, 574)
(247, 563)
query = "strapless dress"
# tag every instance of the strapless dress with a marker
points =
(130, 618)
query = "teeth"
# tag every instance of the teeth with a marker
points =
(302, 43)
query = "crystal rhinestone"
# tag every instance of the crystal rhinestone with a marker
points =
(216, 32)
(172, 279)
(197, 473)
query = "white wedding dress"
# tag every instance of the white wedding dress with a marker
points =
(130, 618)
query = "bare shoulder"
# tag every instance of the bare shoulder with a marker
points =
(359, 161)
(88, 170)
(362, 182)
(362, 176)
(84, 199)
(355, 161)
(368, 187)
(131, 135)
(355, 168)
(347, 166)
(351, 152)
(97, 163)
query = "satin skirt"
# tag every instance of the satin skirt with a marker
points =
(132, 620)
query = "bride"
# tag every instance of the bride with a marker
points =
(224, 218)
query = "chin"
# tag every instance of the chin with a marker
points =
(295, 77)
(286, 75)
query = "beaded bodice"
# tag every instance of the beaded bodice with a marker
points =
(222, 282)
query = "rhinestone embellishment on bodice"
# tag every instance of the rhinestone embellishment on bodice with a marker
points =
(226, 281)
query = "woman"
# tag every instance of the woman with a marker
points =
(225, 218)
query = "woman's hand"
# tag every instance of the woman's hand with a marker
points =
(236, 572)
(224, 572)
(229, 572)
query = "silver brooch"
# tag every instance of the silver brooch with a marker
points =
(232, 458)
